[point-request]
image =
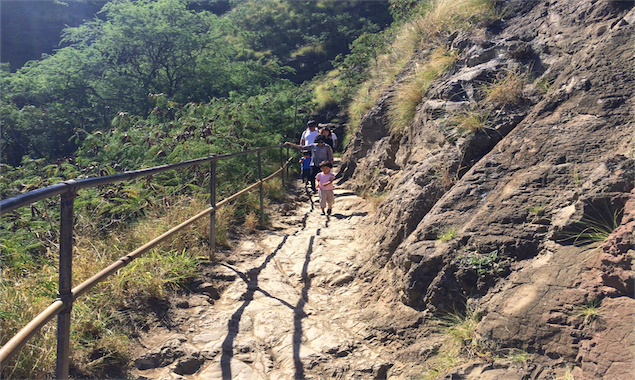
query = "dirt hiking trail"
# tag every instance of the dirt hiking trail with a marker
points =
(291, 311)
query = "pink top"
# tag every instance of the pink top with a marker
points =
(324, 178)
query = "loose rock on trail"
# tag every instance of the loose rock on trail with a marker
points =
(291, 311)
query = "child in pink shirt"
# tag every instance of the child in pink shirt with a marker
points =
(325, 186)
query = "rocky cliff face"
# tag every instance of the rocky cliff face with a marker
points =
(498, 218)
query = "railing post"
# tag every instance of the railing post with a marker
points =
(295, 118)
(262, 208)
(282, 167)
(287, 161)
(65, 284)
(212, 215)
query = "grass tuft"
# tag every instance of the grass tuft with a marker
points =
(224, 219)
(448, 16)
(439, 18)
(590, 310)
(375, 198)
(544, 85)
(448, 233)
(461, 328)
(251, 221)
(596, 229)
(152, 274)
(18, 304)
(273, 189)
(567, 375)
(481, 263)
(536, 209)
(460, 345)
(506, 90)
(595, 226)
(519, 356)
(365, 98)
(441, 364)
(324, 95)
(471, 120)
(445, 176)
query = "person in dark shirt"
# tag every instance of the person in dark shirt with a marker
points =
(307, 170)
(328, 138)
(319, 152)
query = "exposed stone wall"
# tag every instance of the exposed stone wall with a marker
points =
(515, 190)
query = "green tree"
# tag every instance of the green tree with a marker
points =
(111, 65)
(404, 9)
(306, 34)
(155, 47)
(354, 67)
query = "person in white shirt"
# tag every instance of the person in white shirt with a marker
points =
(309, 135)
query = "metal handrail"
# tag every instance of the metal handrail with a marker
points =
(21, 200)
(63, 304)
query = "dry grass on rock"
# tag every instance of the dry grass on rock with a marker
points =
(506, 90)
(410, 92)
(440, 18)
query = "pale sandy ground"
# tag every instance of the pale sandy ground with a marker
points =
(291, 312)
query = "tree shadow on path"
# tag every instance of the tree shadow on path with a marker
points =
(251, 279)
(298, 311)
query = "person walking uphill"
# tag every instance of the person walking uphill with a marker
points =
(326, 132)
(319, 152)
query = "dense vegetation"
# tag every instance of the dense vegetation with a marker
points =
(112, 220)
(306, 35)
(133, 49)
(112, 65)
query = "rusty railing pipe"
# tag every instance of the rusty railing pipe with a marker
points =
(21, 200)
(58, 306)
(261, 193)
(65, 283)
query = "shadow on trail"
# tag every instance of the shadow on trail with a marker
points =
(298, 311)
(342, 216)
(251, 278)
(345, 194)
(245, 278)
(327, 218)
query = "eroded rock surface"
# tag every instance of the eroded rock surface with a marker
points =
(498, 220)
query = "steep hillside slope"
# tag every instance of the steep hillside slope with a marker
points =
(30, 29)
(516, 155)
